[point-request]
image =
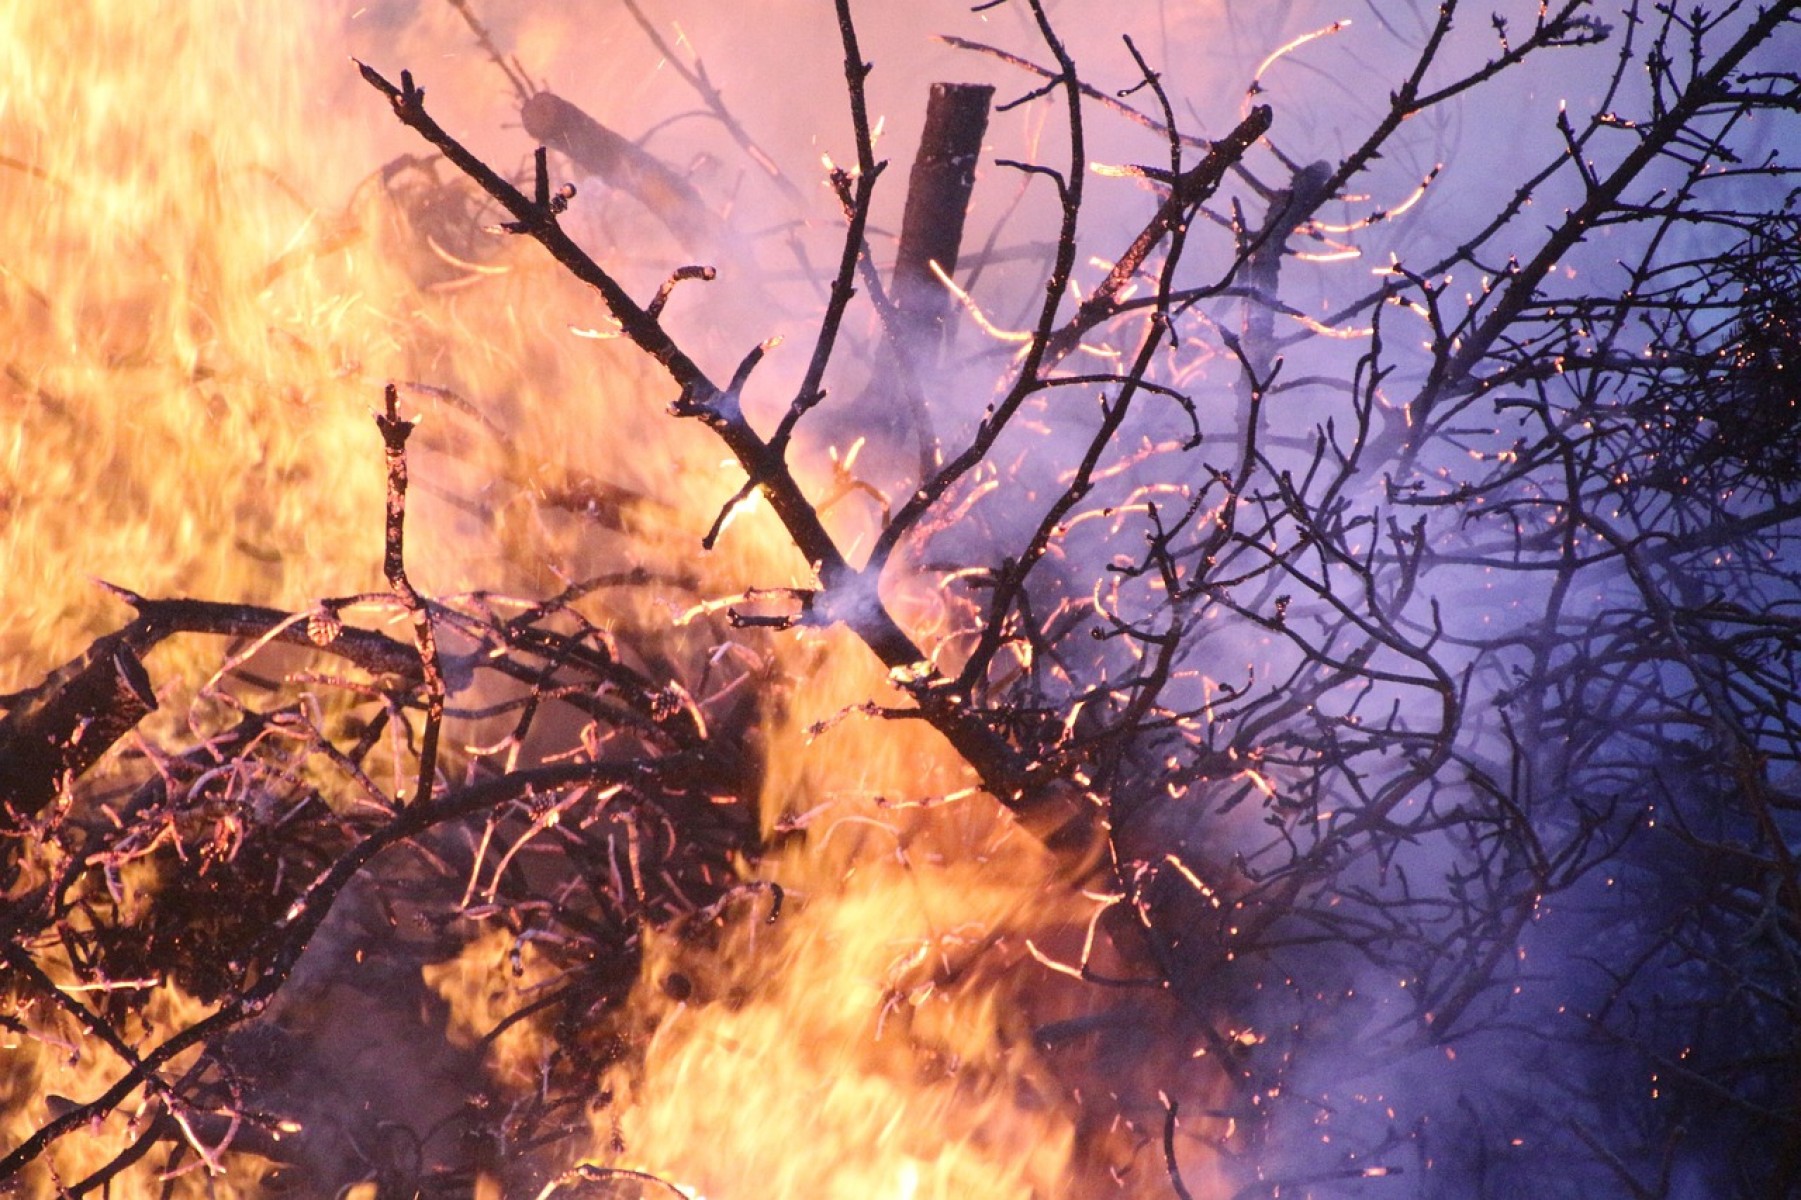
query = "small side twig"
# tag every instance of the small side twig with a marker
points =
(1169, 1149)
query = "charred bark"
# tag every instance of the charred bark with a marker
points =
(938, 192)
(892, 411)
(594, 148)
(57, 730)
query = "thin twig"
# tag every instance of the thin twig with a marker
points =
(394, 433)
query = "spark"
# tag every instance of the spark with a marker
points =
(111, 985)
(1261, 780)
(1413, 198)
(1328, 331)
(474, 268)
(975, 311)
(1057, 965)
(743, 506)
(707, 608)
(1188, 874)
(1280, 51)
(1116, 171)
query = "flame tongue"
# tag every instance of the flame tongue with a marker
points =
(873, 1041)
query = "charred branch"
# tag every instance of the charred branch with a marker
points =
(54, 733)
(938, 191)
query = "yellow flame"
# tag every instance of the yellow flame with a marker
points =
(874, 1041)
(207, 285)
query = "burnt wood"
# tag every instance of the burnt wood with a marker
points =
(59, 729)
(594, 148)
(938, 191)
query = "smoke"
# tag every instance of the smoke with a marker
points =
(1463, 1058)
(1404, 835)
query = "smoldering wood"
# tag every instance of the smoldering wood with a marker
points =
(891, 413)
(57, 730)
(938, 194)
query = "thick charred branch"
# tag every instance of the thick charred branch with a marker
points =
(938, 191)
(914, 308)
(376, 653)
(696, 77)
(59, 729)
(1189, 191)
(565, 128)
(1263, 252)
(1027, 383)
(55, 732)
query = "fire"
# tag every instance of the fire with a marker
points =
(182, 342)
(217, 276)
(875, 1040)
(175, 317)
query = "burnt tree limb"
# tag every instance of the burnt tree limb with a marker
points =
(915, 306)
(565, 128)
(891, 409)
(938, 192)
(1262, 251)
(60, 728)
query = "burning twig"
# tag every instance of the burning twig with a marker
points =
(574, 1184)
